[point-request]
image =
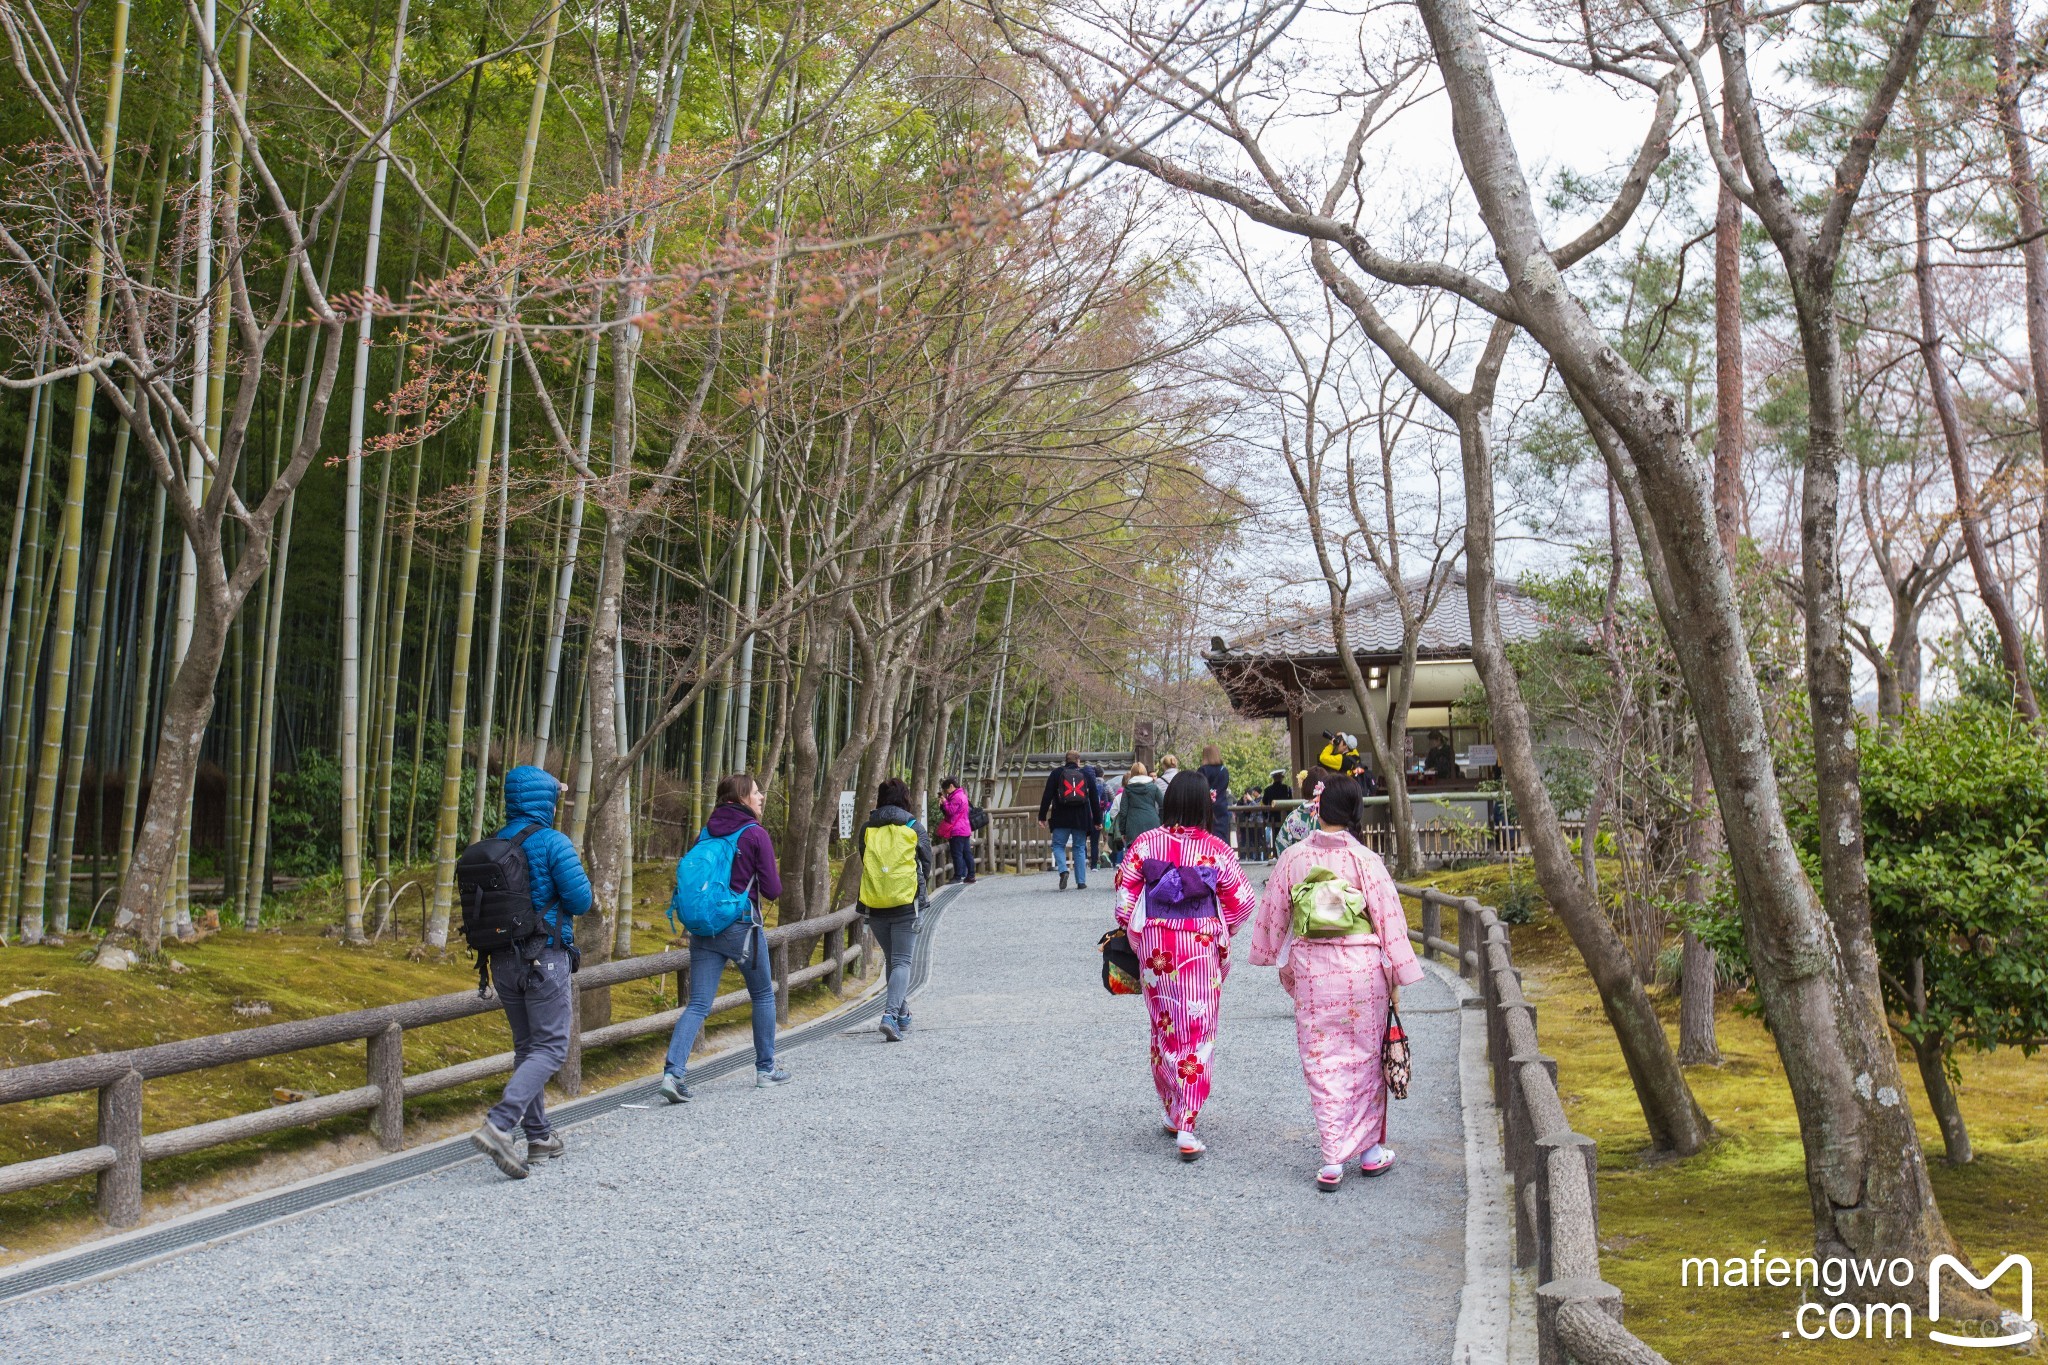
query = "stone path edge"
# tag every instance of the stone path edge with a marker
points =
(1484, 1309)
(117, 1255)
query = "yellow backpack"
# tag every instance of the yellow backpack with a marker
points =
(888, 869)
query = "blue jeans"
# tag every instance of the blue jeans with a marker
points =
(708, 957)
(962, 848)
(1062, 839)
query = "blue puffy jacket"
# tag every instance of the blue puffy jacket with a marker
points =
(554, 872)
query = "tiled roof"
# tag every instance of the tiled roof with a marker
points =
(1374, 626)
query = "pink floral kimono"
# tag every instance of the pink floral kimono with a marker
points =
(1340, 988)
(1182, 962)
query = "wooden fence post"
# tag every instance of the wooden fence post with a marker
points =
(120, 1185)
(780, 959)
(1432, 924)
(569, 1080)
(835, 945)
(387, 1073)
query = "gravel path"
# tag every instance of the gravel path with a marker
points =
(993, 1188)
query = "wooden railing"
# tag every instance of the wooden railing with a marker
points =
(118, 1156)
(1557, 1223)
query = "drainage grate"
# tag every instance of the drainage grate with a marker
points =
(104, 1258)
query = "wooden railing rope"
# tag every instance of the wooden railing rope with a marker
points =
(1557, 1225)
(118, 1156)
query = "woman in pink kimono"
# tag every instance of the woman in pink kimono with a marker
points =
(1180, 897)
(1342, 986)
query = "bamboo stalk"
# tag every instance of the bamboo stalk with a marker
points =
(492, 632)
(352, 525)
(57, 688)
(472, 553)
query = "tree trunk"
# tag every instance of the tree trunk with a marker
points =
(2011, 643)
(1867, 1180)
(2033, 235)
(1730, 418)
(1697, 968)
(1941, 1098)
(1675, 1121)
(187, 707)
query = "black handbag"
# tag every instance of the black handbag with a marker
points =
(1119, 963)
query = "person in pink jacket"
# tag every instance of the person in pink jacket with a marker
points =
(1180, 896)
(956, 827)
(1342, 987)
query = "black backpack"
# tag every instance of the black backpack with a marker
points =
(977, 818)
(497, 901)
(1071, 789)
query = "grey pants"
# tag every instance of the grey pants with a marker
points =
(537, 1003)
(896, 933)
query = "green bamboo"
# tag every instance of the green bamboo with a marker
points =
(30, 617)
(449, 828)
(57, 689)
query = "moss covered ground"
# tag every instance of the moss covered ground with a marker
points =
(293, 968)
(1748, 1189)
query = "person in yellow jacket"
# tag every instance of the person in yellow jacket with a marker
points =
(895, 856)
(1340, 755)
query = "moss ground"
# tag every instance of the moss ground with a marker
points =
(1748, 1188)
(290, 969)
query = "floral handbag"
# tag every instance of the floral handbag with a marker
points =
(1394, 1055)
(1119, 963)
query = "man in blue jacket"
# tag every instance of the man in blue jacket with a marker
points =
(536, 997)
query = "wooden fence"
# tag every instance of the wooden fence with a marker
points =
(1557, 1223)
(117, 1157)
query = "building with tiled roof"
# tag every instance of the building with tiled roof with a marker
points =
(1291, 670)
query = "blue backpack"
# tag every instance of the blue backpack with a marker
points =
(704, 900)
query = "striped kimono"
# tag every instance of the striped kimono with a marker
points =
(1340, 988)
(1182, 962)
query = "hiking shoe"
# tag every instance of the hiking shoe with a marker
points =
(765, 1080)
(1330, 1177)
(1191, 1147)
(1376, 1160)
(903, 1022)
(1063, 881)
(892, 1030)
(674, 1091)
(550, 1146)
(497, 1144)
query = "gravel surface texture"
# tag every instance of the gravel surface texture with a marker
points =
(995, 1187)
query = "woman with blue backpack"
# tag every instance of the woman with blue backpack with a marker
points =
(1180, 897)
(720, 884)
(1331, 920)
(895, 866)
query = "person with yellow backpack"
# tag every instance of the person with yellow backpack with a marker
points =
(895, 856)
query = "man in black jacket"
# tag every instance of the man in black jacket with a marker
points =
(1070, 807)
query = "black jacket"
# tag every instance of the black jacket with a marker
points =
(1070, 817)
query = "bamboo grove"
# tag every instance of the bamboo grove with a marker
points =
(399, 391)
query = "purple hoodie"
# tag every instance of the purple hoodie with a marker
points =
(754, 860)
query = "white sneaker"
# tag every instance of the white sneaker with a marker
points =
(1191, 1147)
